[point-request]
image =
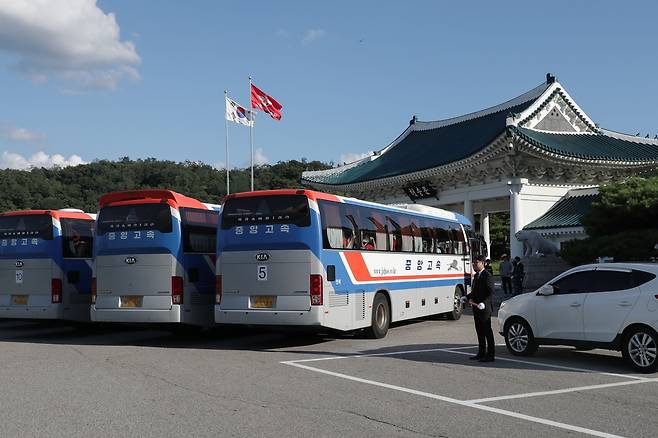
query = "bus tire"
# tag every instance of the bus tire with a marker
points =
(381, 317)
(457, 306)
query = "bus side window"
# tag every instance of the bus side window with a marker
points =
(351, 227)
(333, 235)
(395, 234)
(443, 238)
(427, 234)
(77, 238)
(199, 230)
(458, 239)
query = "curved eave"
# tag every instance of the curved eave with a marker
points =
(493, 149)
(540, 150)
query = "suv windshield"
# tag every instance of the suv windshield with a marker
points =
(135, 217)
(281, 209)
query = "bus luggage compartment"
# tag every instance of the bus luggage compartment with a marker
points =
(25, 282)
(142, 281)
(269, 280)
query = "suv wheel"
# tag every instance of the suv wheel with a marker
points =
(639, 349)
(519, 338)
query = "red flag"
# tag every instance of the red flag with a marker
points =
(266, 103)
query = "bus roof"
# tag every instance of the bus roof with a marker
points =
(418, 209)
(57, 214)
(312, 194)
(174, 199)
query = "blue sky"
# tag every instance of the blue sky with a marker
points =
(349, 74)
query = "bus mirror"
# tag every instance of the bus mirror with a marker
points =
(331, 273)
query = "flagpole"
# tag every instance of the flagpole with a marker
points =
(251, 136)
(228, 190)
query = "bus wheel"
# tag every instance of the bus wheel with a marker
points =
(381, 317)
(457, 306)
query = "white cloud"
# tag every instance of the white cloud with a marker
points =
(312, 35)
(73, 41)
(20, 134)
(12, 160)
(352, 157)
(260, 158)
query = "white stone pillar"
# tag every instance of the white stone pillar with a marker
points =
(515, 216)
(468, 210)
(485, 231)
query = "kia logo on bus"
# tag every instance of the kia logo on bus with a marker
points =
(262, 256)
(131, 260)
(19, 263)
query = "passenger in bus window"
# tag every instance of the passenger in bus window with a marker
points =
(369, 244)
(348, 239)
(78, 247)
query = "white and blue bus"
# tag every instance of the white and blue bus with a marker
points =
(305, 258)
(46, 264)
(154, 259)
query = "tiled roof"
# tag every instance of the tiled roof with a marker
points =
(568, 212)
(432, 144)
(592, 146)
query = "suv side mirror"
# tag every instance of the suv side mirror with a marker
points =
(546, 290)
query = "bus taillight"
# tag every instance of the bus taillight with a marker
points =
(93, 290)
(56, 290)
(218, 289)
(177, 290)
(316, 290)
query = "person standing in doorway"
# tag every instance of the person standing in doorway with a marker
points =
(480, 300)
(517, 274)
(506, 274)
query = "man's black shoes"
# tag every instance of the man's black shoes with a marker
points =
(476, 357)
(486, 359)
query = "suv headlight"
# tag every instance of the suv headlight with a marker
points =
(502, 304)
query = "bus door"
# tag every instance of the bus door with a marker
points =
(136, 264)
(462, 246)
(265, 259)
(26, 260)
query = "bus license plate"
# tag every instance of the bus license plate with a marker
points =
(262, 302)
(19, 300)
(131, 301)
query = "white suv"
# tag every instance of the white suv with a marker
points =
(612, 306)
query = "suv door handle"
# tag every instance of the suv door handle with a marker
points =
(624, 303)
(575, 304)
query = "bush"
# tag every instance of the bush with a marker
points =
(626, 246)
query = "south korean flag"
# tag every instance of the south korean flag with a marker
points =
(236, 113)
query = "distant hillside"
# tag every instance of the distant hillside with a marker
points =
(81, 186)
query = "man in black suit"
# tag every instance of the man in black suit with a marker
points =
(480, 300)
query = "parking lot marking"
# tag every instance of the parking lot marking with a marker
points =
(560, 367)
(456, 350)
(465, 403)
(388, 353)
(561, 391)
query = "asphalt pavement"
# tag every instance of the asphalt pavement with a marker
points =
(60, 380)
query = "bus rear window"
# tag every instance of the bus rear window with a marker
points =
(135, 217)
(23, 227)
(283, 209)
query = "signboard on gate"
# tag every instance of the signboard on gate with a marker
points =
(420, 190)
